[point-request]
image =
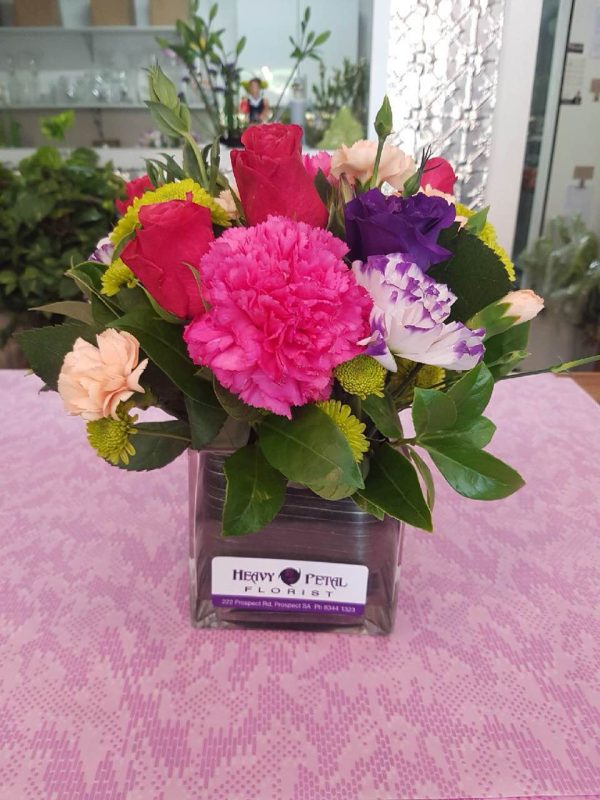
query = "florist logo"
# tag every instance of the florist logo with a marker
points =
(290, 576)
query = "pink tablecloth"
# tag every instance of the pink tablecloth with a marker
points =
(489, 687)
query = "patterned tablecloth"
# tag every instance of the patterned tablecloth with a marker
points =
(489, 687)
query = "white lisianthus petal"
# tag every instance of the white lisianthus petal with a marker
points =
(409, 314)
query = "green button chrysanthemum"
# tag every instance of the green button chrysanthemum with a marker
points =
(489, 237)
(116, 276)
(351, 427)
(362, 376)
(110, 437)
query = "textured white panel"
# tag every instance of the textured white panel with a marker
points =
(442, 78)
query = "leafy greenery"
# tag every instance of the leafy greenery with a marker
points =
(392, 486)
(311, 450)
(157, 444)
(474, 273)
(563, 265)
(47, 347)
(347, 86)
(255, 492)
(53, 210)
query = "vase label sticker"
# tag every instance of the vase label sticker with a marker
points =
(274, 584)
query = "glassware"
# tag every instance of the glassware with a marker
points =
(319, 565)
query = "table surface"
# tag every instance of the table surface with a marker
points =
(489, 686)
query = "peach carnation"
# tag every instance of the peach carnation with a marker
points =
(285, 311)
(357, 163)
(94, 380)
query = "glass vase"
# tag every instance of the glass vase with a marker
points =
(319, 565)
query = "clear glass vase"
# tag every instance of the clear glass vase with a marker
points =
(319, 565)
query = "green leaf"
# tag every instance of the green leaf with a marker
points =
(235, 407)
(432, 411)
(321, 38)
(46, 348)
(163, 344)
(368, 507)
(473, 472)
(383, 413)
(168, 121)
(393, 487)
(73, 309)
(157, 444)
(425, 474)
(479, 434)
(255, 492)
(471, 394)
(323, 187)
(206, 419)
(474, 273)
(311, 450)
(476, 223)
(514, 340)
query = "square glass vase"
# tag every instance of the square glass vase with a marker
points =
(319, 565)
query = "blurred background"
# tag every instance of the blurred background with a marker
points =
(507, 90)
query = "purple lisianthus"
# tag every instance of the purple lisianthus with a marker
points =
(376, 225)
(409, 317)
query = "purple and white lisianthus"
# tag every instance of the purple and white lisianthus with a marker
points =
(104, 251)
(409, 314)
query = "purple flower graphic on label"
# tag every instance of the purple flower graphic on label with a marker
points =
(289, 576)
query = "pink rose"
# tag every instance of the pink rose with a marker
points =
(173, 234)
(94, 380)
(438, 174)
(357, 163)
(133, 189)
(319, 161)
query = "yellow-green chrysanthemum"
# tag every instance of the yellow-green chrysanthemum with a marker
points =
(178, 190)
(351, 427)
(116, 276)
(489, 237)
(426, 378)
(110, 437)
(361, 376)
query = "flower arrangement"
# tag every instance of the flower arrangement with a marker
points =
(289, 319)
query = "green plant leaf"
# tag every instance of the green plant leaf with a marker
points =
(163, 344)
(471, 394)
(476, 223)
(235, 407)
(157, 444)
(432, 411)
(383, 413)
(393, 487)
(255, 492)
(368, 507)
(474, 273)
(514, 340)
(425, 473)
(473, 472)
(311, 450)
(73, 309)
(46, 348)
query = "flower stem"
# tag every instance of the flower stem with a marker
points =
(380, 143)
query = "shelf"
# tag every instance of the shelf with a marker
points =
(86, 107)
(128, 29)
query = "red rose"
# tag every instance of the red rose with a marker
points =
(271, 177)
(172, 235)
(439, 175)
(133, 189)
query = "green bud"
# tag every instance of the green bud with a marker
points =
(412, 184)
(384, 121)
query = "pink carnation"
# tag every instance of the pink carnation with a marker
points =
(285, 312)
